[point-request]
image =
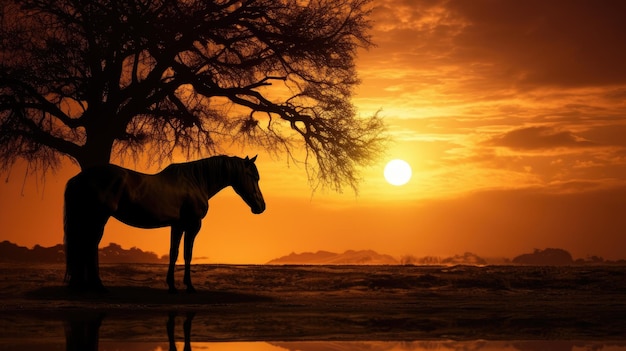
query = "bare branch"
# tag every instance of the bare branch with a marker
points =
(88, 78)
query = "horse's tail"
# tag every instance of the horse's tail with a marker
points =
(74, 257)
(85, 215)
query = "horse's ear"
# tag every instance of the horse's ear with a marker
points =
(252, 159)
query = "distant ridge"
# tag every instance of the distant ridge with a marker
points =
(547, 257)
(114, 253)
(364, 257)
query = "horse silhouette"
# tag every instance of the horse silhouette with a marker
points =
(176, 197)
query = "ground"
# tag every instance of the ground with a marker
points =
(295, 303)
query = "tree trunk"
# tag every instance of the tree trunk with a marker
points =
(98, 147)
(96, 152)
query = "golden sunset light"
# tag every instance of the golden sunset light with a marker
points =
(508, 119)
(313, 175)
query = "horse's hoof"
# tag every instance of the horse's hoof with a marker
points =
(172, 290)
(191, 289)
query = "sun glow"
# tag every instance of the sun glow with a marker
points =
(397, 172)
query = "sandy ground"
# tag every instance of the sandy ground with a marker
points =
(300, 303)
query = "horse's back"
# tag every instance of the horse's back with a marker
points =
(138, 199)
(100, 186)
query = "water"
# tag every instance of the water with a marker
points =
(91, 331)
(88, 331)
(421, 345)
(350, 308)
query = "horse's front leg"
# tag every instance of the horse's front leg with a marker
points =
(190, 236)
(176, 235)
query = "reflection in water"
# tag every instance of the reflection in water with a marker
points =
(430, 345)
(88, 331)
(171, 323)
(81, 330)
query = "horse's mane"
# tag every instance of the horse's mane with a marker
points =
(214, 169)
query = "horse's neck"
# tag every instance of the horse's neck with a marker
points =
(217, 176)
(214, 188)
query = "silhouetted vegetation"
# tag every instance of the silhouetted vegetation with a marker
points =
(10, 252)
(467, 258)
(114, 253)
(88, 79)
(372, 257)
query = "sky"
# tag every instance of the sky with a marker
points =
(511, 113)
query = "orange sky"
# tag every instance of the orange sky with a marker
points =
(511, 113)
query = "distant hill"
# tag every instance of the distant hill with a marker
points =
(324, 257)
(547, 257)
(114, 253)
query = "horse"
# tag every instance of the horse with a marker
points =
(176, 197)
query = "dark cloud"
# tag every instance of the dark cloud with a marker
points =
(609, 134)
(562, 43)
(532, 138)
(524, 44)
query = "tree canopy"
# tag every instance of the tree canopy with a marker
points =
(102, 78)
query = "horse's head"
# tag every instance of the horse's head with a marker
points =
(247, 186)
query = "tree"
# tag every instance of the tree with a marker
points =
(102, 78)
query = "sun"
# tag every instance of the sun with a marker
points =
(397, 172)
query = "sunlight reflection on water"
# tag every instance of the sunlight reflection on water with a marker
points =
(427, 345)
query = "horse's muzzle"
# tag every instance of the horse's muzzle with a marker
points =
(258, 209)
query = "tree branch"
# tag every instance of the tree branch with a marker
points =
(43, 104)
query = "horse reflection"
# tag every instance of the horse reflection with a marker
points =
(176, 197)
(82, 330)
(171, 323)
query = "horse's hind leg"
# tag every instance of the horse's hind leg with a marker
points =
(93, 272)
(176, 235)
(190, 236)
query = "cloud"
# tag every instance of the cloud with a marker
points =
(610, 133)
(537, 42)
(492, 93)
(532, 138)
(520, 44)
